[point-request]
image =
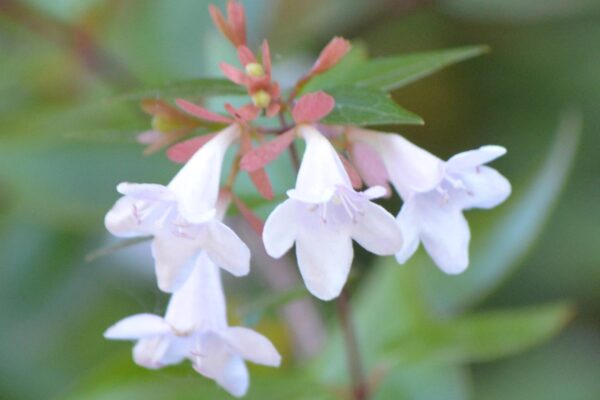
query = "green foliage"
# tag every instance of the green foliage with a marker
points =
(200, 87)
(390, 73)
(364, 106)
(481, 337)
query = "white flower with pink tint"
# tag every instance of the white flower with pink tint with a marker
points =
(322, 216)
(181, 216)
(195, 328)
(435, 192)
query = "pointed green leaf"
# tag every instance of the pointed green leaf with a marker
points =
(390, 73)
(513, 237)
(363, 106)
(483, 337)
(201, 87)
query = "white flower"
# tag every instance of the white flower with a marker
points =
(182, 217)
(322, 216)
(435, 193)
(195, 327)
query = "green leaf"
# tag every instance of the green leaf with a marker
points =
(362, 106)
(120, 378)
(506, 245)
(201, 87)
(390, 73)
(483, 337)
(426, 382)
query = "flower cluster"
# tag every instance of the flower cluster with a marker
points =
(325, 211)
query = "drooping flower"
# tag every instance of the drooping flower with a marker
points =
(195, 328)
(322, 216)
(182, 216)
(435, 193)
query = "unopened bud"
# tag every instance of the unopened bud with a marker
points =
(255, 70)
(261, 99)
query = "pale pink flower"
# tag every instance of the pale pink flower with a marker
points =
(322, 216)
(182, 216)
(435, 193)
(195, 328)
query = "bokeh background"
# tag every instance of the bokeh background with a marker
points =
(66, 141)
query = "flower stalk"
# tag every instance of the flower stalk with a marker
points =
(360, 386)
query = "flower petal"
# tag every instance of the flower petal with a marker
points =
(377, 230)
(233, 74)
(410, 168)
(324, 256)
(486, 188)
(226, 249)
(252, 346)
(473, 158)
(183, 151)
(201, 112)
(200, 302)
(369, 165)
(279, 231)
(257, 158)
(234, 377)
(174, 258)
(157, 352)
(445, 233)
(138, 326)
(237, 21)
(321, 171)
(121, 220)
(335, 50)
(409, 225)
(266, 57)
(146, 191)
(312, 107)
(196, 185)
(214, 361)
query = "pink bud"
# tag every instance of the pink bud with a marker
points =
(201, 112)
(335, 50)
(263, 155)
(313, 107)
(183, 151)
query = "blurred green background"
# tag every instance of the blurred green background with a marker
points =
(66, 142)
